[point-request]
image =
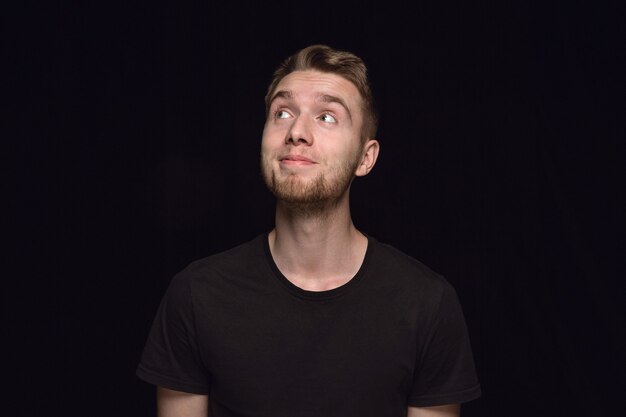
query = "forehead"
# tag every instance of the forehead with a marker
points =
(315, 83)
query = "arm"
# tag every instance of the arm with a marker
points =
(452, 410)
(181, 404)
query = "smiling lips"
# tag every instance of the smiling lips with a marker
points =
(296, 160)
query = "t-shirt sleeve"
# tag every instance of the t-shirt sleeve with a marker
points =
(171, 358)
(445, 371)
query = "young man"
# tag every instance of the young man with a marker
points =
(314, 318)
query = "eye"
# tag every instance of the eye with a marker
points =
(281, 114)
(328, 118)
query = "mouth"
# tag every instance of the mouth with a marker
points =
(296, 160)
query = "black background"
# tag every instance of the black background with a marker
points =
(133, 135)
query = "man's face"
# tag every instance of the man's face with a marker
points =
(311, 144)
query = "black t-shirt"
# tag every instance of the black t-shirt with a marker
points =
(232, 326)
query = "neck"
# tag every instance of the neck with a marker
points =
(317, 249)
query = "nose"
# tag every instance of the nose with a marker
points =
(299, 132)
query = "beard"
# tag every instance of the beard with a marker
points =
(310, 196)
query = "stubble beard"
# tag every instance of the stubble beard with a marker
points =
(312, 197)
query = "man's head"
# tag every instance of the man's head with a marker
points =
(318, 133)
(345, 64)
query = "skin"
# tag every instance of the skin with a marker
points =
(310, 153)
(314, 243)
(182, 404)
(172, 403)
(452, 410)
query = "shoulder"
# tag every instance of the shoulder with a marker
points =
(240, 256)
(231, 266)
(392, 261)
(393, 269)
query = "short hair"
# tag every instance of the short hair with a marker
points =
(326, 59)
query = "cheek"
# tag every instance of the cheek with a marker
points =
(269, 149)
(265, 133)
(272, 136)
(267, 154)
(351, 149)
(266, 139)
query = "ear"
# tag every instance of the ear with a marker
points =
(369, 157)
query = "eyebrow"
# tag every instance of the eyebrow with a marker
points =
(324, 98)
(327, 98)
(282, 94)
